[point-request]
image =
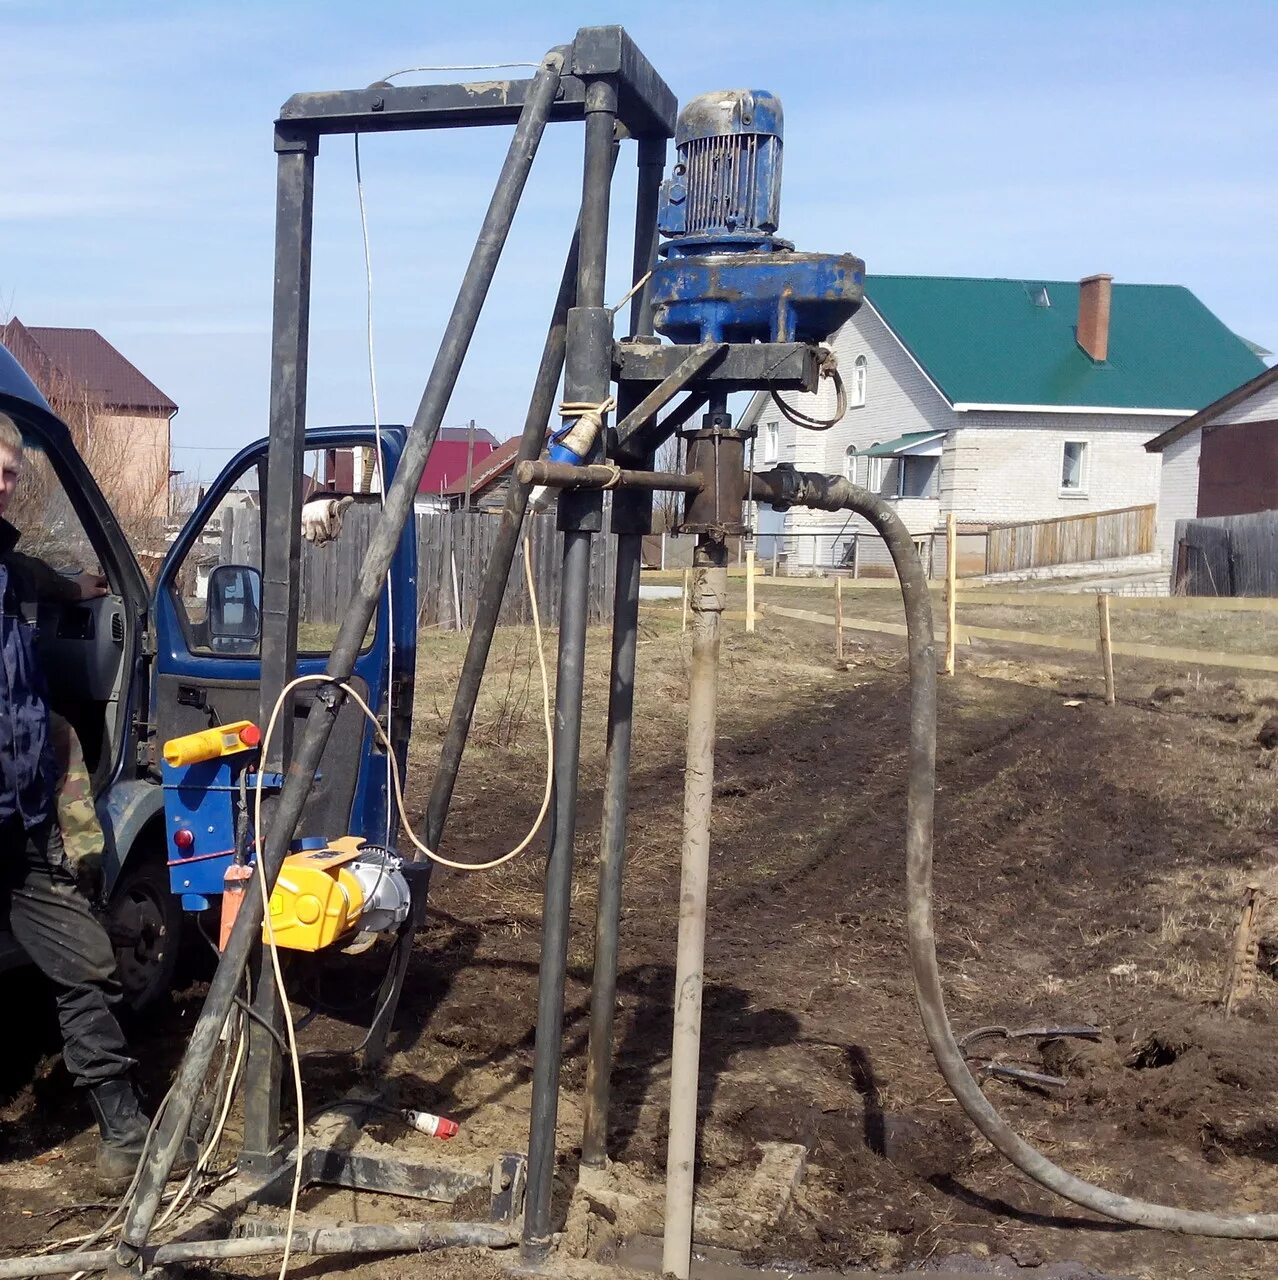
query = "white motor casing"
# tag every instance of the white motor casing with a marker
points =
(386, 895)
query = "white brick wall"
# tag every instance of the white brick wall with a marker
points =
(1179, 463)
(1178, 491)
(1008, 465)
(995, 466)
(1259, 407)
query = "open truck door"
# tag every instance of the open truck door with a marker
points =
(93, 657)
(207, 669)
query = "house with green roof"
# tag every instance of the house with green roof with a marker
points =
(1000, 401)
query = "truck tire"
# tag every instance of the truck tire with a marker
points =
(144, 923)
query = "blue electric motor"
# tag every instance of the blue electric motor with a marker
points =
(727, 277)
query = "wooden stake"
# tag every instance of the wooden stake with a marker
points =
(776, 552)
(687, 589)
(749, 562)
(838, 619)
(1106, 650)
(1240, 975)
(951, 590)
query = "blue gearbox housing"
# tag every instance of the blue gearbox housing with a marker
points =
(727, 276)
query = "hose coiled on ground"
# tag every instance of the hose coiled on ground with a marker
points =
(829, 493)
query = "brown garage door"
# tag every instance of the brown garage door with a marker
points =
(1238, 471)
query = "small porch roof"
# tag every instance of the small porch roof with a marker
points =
(918, 444)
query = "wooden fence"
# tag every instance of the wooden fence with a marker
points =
(1227, 555)
(453, 549)
(1095, 535)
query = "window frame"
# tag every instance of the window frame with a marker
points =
(860, 383)
(933, 485)
(850, 457)
(771, 442)
(1081, 489)
(874, 468)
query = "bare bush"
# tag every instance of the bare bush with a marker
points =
(133, 475)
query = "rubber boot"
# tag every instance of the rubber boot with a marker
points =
(123, 1129)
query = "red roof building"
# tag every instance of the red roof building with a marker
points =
(119, 417)
(452, 455)
(84, 357)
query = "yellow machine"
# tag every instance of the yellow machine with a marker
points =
(325, 895)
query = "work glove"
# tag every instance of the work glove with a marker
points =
(322, 519)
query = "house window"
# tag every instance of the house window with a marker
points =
(874, 473)
(849, 464)
(916, 477)
(1074, 467)
(771, 441)
(856, 392)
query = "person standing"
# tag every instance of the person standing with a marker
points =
(43, 879)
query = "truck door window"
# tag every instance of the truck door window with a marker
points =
(233, 535)
(43, 514)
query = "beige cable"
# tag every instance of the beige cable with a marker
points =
(430, 853)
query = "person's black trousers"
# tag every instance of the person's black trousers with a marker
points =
(52, 921)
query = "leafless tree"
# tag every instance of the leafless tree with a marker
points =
(667, 508)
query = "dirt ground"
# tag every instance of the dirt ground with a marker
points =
(1090, 865)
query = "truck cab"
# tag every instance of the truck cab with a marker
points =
(177, 649)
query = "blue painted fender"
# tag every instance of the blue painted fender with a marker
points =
(126, 810)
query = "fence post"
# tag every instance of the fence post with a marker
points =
(776, 552)
(749, 567)
(687, 575)
(838, 618)
(663, 552)
(1106, 650)
(951, 589)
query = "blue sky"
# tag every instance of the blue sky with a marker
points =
(1034, 140)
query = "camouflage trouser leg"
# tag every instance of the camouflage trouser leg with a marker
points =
(82, 836)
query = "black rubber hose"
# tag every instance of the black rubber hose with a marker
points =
(829, 493)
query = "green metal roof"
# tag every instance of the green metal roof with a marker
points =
(910, 440)
(991, 342)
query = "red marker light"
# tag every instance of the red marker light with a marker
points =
(184, 838)
(250, 735)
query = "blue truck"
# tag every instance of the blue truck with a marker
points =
(153, 660)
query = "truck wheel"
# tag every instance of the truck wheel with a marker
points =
(144, 922)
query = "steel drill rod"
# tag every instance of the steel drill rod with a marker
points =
(487, 614)
(323, 714)
(652, 168)
(558, 894)
(502, 556)
(564, 475)
(632, 518)
(281, 579)
(405, 1237)
(647, 409)
(709, 589)
(587, 377)
(612, 849)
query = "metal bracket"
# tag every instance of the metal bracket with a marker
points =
(752, 366)
(510, 1181)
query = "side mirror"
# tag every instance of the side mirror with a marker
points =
(235, 608)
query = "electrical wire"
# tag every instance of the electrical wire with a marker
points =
(461, 66)
(381, 458)
(88, 1240)
(420, 845)
(272, 947)
(829, 369)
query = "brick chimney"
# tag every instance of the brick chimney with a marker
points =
(1093, 316)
